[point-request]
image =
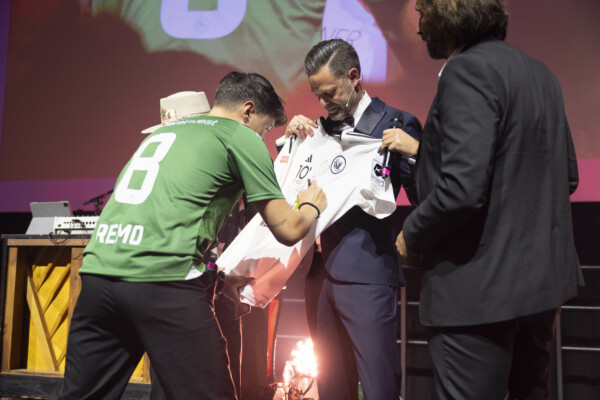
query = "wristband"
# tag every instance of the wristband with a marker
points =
(306, 203)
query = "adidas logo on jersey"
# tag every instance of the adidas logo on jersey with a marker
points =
(309, 159)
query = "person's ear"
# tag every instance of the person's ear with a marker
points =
(247, 110)
(354, 76)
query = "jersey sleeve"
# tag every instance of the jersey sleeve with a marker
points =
(250, 161)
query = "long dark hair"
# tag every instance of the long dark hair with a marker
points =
(468, 21)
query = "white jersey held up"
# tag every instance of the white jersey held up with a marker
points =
(349, 171)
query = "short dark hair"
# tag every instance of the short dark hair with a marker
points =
(339, 54)
(239, 87)
(468, 21)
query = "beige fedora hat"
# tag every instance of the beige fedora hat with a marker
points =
(180, 105)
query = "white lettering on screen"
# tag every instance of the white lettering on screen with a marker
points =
(180, 22)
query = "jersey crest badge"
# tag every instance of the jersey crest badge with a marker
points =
(338, 164)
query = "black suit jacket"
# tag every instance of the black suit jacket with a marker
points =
(360, 248)
(495, 169)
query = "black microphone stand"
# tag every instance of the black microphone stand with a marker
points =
(98, 200)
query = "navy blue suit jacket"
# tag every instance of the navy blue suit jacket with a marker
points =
(360, 248)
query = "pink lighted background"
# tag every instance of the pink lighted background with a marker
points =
(80, 79)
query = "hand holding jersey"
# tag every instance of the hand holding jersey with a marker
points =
(300, 126)
(232, 285)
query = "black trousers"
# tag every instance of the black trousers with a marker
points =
(505, 360)
(114, 322)
(354, 328)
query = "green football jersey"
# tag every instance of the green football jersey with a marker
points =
(173, 196)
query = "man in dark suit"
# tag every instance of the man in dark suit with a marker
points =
(494, 172)
(352, 287)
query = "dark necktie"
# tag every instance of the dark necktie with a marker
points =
(335, 128)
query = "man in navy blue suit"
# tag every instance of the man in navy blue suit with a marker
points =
(352, 289)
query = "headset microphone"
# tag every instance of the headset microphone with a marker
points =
(348, 102)
(397, 121)
(350, 97)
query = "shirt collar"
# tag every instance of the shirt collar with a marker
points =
(455, 52)
(361, 107)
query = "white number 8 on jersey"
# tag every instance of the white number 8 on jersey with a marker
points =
(149, 165)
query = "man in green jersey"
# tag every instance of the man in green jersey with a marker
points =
(143, 283)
